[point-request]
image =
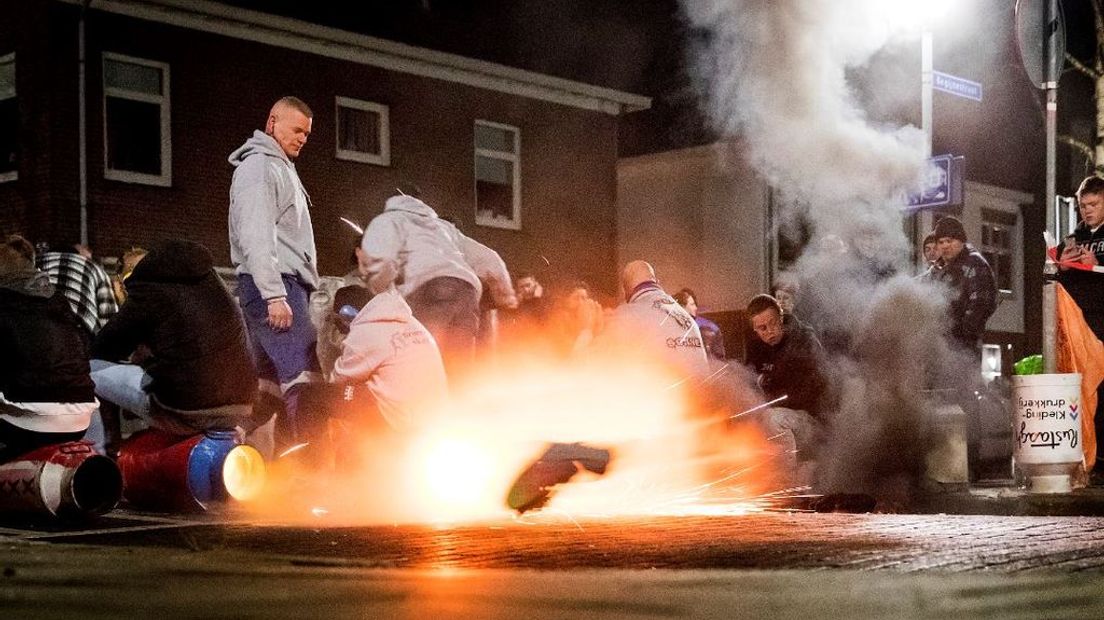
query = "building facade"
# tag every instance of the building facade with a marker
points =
(719, 224)
(523, 162)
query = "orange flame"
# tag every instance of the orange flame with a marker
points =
(673, 453)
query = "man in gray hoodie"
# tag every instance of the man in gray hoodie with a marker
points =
(272, 247)
(437, 269)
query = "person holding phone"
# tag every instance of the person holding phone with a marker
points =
(1086, 246)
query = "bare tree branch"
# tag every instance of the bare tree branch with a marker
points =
(1078, 145)
(1098, 18)
(1082, 67)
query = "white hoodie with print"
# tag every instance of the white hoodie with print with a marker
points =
(392, 353)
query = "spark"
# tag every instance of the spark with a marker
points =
(297, 447)
(715, 373)
(319, 511)
(546, 261)
(359, 230)
(762, 406)
(568, 516)
(679, 382)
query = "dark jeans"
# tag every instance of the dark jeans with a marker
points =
(449, 308)
(285, 358)
(15, 441)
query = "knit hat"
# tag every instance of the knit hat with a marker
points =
(949, 227)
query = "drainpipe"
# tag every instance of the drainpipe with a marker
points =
(82, 125)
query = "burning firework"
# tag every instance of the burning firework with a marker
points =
(673, 454)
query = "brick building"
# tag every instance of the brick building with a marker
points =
(525, 162)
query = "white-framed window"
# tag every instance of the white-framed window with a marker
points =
(497, 175)
(998, 246)
(363, 131)
(137, 135)
(9, 120)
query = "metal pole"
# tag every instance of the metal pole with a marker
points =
(1050, 64)
(82, 127)
(917, 226)
(926, 90)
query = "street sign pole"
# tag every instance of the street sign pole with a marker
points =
(926, 72)
(1041, 34)
(918, 220)
(1051, 25)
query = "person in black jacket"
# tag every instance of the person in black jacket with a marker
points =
(45, 391)
(196, 373)
(789, 360)
(973, 287)
(973, 300)
(1087, 247)
(1087, 287)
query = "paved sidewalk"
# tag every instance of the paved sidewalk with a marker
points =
(897, 543)
(773, 565)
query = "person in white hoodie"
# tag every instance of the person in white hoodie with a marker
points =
(654, 325)
(272, 248)
(392, 354)
(437, 269)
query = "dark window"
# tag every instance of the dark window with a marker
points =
(497, 176)
(137, 145)
(9, 120)
(362, 132)
(133, 136)
(997, 245)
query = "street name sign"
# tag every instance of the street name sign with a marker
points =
(959, 87)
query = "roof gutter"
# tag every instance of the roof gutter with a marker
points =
(216, 18)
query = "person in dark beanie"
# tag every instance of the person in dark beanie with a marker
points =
(197, 373)
(1087, 287)
(973, 287)
(973, 299)
(45, 392)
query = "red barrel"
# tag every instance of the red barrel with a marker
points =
(66, 480)
(169, 472)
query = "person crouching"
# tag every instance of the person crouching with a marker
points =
(46, 395)
(393, 361)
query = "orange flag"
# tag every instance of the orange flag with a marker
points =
(1079, 350)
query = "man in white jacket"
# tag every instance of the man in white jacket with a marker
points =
(391, 353)
(437, 269)
(654, 325)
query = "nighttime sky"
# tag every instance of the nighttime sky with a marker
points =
(641, 46)
(635, 46)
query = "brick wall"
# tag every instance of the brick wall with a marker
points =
(221, 89)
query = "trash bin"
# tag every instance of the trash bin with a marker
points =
(1047, 430)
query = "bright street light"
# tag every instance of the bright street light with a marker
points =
(913, 14)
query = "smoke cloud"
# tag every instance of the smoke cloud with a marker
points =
(774, 73)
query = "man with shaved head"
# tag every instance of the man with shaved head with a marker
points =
(272, 247)
(652, 321)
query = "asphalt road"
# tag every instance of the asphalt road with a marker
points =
(771, 565)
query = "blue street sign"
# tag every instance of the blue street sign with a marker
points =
(959, 87)
(942, 183)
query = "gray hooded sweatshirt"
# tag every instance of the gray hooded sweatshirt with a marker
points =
(408, 239)
(270, 224)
